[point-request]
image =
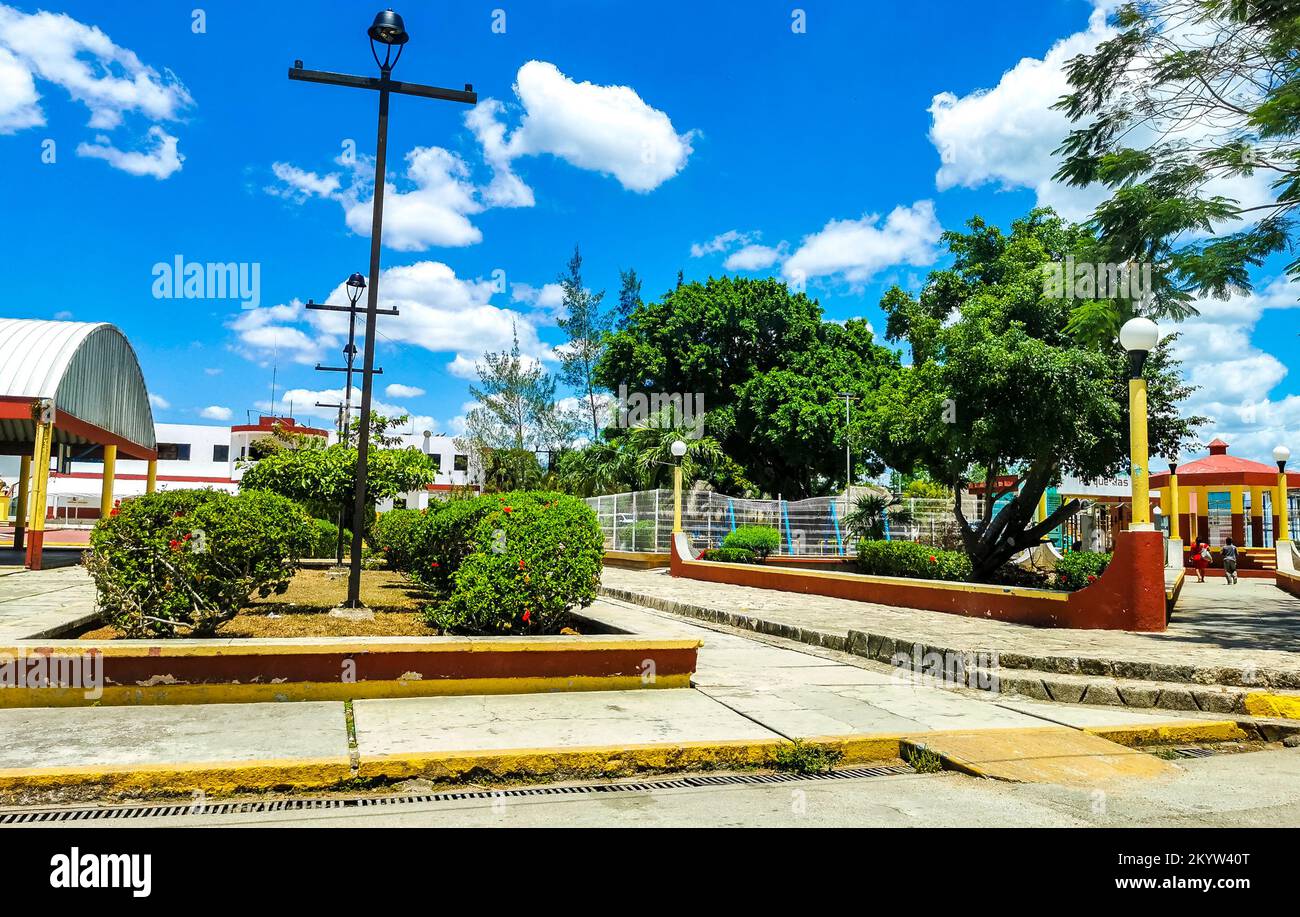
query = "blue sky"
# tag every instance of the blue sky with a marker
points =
(706, 136)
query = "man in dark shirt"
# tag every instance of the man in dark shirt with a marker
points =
(1230, 561)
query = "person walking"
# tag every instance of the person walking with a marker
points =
(1230, 561)
(1200, 559)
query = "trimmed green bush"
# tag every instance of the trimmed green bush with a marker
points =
(325, 539)
(730, 556)
(394, 536)
(759, 540)
(1078, 569)
(519, 561)
(180, 562)
(908, 558)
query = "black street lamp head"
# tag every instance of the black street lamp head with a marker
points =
(388, 29)
(356, 284)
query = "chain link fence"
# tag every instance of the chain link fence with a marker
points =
(643, 521)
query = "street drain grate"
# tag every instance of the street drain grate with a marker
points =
(258, 806)
(1193, 751)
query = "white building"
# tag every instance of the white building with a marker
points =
(209, 456)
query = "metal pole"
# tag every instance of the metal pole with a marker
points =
(372, 304)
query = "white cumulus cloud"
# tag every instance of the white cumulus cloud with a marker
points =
(216, 412)
(606, 129)
(857, 249)
(110, 80)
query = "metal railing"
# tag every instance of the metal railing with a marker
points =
(642, 521)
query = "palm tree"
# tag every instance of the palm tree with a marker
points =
(869, 515)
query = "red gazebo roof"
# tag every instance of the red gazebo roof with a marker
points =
(1220, 468)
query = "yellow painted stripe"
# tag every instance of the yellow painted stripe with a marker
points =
(324, 646)
(1172, 732)
(526, 763)
(130, 695)
(182, 779)
(1285, 706)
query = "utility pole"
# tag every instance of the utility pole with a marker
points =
(848, 447)
(387, 30)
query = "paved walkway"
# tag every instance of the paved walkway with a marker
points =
(747, 690)
(1252, 625)
(44, 603)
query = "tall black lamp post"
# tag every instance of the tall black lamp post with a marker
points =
(387, 31)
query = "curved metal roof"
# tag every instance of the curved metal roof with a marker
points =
(89, 369)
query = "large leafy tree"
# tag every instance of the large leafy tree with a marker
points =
(1187, 99)
(1000, 384)
(769, 368)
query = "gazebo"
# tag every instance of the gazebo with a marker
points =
(1244, 491)
(68, 391)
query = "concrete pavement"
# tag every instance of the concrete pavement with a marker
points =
(45, 603)
(1251, 627)
(751, 698)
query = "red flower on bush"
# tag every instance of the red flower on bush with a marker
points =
(435, 564)
(527, 615)
(933, 559)
(507, 509)
(521, 563)
(113, 512)
(175, 545)
(1092, 578)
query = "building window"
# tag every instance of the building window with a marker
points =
(173, 452)
(220, 453)
(437, 462)
(460, 463)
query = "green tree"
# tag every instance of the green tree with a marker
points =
(999, 381)
(381, 428)
(629, 296)
(1188, 95)
(586, 325)
(768, 367)
(516, 402)
(322, 480)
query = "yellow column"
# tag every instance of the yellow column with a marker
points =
(40, 493)
(1171, 506)
(20, 513)
(677, 498)
(151, 483)
(1283, 523)
(106, 491)
(1137, 428)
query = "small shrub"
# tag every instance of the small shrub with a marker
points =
(394, 536)
(757, 539)
(731, 556)
(802, 758)
(519, 563)
(1078, 569)
(908, 558)
(325, 539)
(190, 559)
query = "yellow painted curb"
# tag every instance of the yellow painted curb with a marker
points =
(177, 779)
(577, 761)
(162, 694)
(1261, 703)
(1174, 732)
